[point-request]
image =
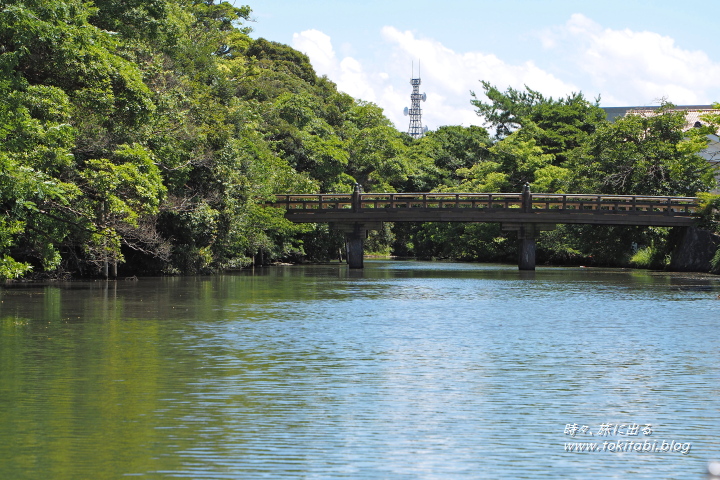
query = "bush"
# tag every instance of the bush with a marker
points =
(715, 262)
(650, 257)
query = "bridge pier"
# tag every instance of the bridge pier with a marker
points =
(355, 235)
(527, 234)
(354, 242)
(526, 260)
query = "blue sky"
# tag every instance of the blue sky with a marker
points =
(632, 52)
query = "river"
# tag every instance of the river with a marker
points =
(405, 370)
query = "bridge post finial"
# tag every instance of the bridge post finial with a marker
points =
(356, 197)
(526, 198)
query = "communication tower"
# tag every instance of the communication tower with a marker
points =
(416, 129)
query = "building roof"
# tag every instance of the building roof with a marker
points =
(692, 113)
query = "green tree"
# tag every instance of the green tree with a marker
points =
(376, 160)
(561, 127)
(644, 155)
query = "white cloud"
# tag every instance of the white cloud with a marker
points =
(450, 76)
(317, 45)
(447, 76)
(623, 66)
(457, 73)
(635, 68)
(347, 73)
(353, 80)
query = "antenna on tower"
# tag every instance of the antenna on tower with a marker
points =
(416, 129)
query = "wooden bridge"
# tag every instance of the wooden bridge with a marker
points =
(527, 213)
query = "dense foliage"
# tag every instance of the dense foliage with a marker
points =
(149, 134)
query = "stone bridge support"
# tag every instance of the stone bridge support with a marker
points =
(526, 255)
(527, 234)
(355, 235)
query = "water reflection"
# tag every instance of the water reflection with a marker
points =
(402, 370)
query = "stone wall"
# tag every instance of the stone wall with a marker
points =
(694, 250)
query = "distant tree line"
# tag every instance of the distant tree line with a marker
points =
(147, 135)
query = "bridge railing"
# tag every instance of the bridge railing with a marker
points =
(537, 202)
(441, 200)
(400, 200)
(314, 201)
(624, 204)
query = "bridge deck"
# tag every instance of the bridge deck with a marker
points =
(491, 207)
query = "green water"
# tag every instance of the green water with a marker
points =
(403, 370)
